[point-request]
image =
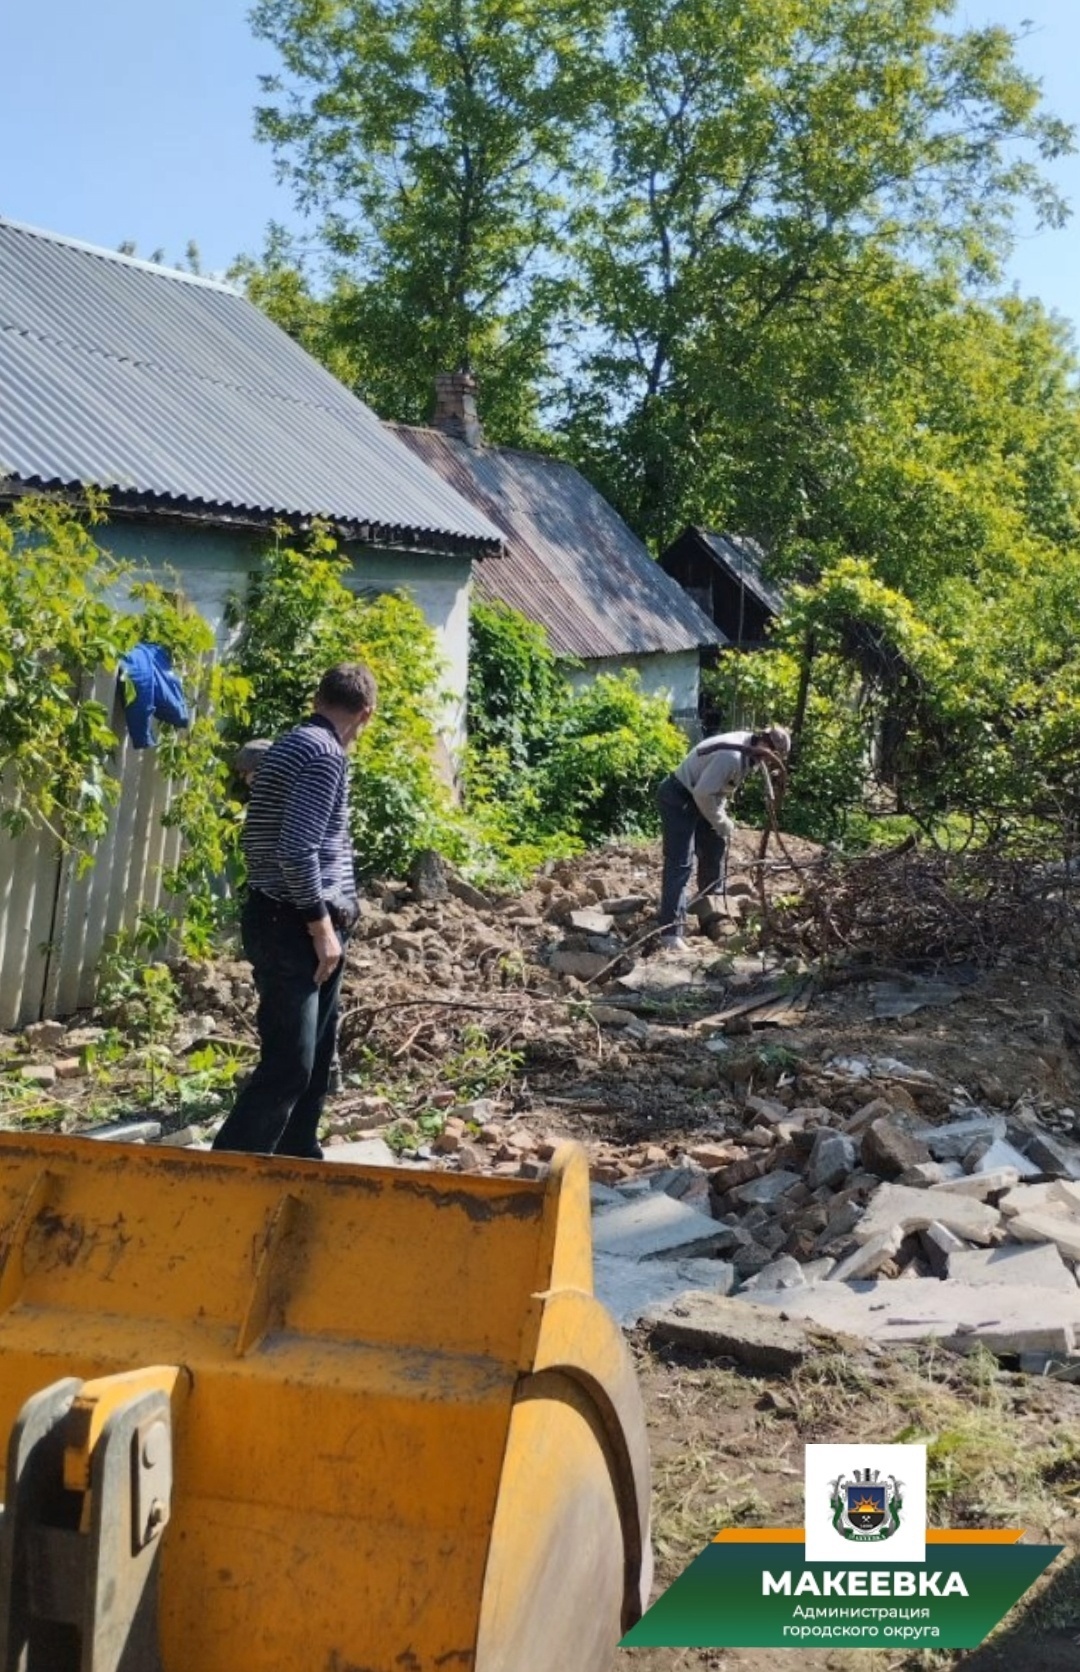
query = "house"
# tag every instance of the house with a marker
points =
(724, 574)
(208, 428)
(571, 563)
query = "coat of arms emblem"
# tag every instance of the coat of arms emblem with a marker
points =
(866, 1508)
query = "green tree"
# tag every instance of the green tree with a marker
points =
(432, 142)
(517, 689)
(764, 157)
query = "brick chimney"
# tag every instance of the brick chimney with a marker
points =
(455, 407)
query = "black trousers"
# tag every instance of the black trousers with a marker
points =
(279, 1109)
(686, 834)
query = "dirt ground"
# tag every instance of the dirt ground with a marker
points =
(454, 1010)
(727, 1447)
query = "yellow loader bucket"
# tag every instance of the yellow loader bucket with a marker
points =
(375, 1419)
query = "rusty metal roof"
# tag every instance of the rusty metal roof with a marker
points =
(167, 389)
(570, 561)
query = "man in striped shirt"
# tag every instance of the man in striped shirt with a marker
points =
(301, 903)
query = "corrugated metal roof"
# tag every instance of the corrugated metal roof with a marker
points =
(743, 558)
(144, 381)
(570, 563)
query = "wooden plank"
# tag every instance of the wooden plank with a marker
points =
(771, 1006)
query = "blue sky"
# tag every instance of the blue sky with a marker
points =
(133, 119)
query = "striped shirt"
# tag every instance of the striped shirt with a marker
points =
(296, 835)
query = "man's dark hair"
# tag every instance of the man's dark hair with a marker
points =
(350, 686)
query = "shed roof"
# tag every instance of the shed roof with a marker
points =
(743, 558)
(163, 387)
(570, 561)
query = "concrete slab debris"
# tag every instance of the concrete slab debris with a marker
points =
(590, 921)
(832, 1158)
(768, 1188)
(127, 1132)
(1036, 1266)
(1025, 1198)
(887, 1149)
(750, 1334)
(939, 1245)
(913, 1210)
(979, 1185)
(1006, 1318)
(1003, 1154)
(365, 1152)
(932, 1172)
(1053, 1155)
(654, 1226)
(868, 1259)
(629, 1288)
(785, 1273)
(652, 976)
(1062, 1229)
(952, 1141)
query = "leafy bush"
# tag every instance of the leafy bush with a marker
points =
(60, 626)
(300, 619)
(518, 693)
(615, 744)
(551, 770)
(57, 629)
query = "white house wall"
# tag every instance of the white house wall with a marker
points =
(211, 566)
(673, 674)
(441, 587)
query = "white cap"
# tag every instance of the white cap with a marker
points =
(779, 741)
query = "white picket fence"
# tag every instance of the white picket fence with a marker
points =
(54, 921)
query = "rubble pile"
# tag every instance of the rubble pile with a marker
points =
(828, 1210)
(739, 1150)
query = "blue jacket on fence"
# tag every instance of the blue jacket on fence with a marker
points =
(158, 694)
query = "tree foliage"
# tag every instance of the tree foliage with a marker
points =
(559, 763)
(432, 143)
(764, 158)
(517, 689)
(737, 259)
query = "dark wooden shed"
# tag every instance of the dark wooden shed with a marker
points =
(723, 575)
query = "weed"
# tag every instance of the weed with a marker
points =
(776, 1059)
(135, 994)
(512, 969)
(403, 1136)
(480, 1068)
(829, 1387)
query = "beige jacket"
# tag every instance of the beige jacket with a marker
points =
(712, 775)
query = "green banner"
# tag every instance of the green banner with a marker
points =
(757, 1595)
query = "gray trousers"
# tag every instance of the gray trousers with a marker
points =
(686, 833)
